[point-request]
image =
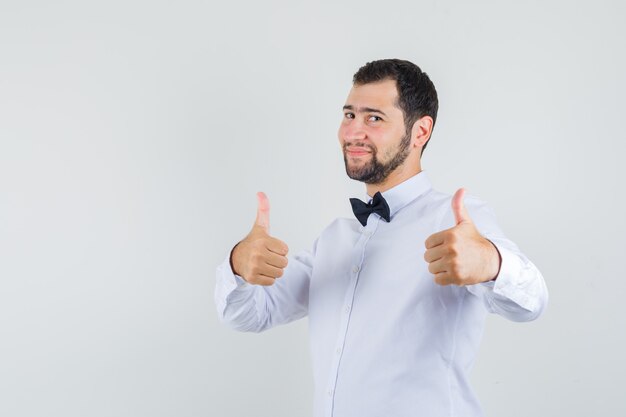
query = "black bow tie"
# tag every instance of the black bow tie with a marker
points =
(362, 210)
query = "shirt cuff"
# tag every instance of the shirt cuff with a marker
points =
(231, 280)
(511, 280)
(227, 283)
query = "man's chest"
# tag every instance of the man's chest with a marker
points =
(380, 268)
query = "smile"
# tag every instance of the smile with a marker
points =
(356, 152)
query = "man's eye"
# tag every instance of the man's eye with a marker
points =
(375, 119)
(349, 115)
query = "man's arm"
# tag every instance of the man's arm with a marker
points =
(255, 308)
(519, 291)
(257, 288)
(475, 253)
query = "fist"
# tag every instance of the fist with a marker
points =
(260, 258)
(460, 255)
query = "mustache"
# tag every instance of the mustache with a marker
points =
(372, 148)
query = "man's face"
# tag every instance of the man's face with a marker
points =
(372, 133)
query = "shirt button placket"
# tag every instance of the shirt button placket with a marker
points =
(357, 257)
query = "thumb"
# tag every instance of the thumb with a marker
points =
(263, 212)
(458, 207)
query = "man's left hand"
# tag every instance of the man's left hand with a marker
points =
(460, 255)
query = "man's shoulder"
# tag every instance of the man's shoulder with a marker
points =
(340, 229)
(475, 206)
(440, 199)
(436, 198)
(431, 201)
(340, 224)
(438, 204)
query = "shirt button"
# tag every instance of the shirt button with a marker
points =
(330, 392)
(347, 309)
(355, 269)
(338, 351)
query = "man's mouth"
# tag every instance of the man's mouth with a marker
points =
(356, 151)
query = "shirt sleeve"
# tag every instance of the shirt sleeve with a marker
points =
(519, 292)
(255, 308)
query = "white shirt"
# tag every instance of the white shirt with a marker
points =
(385, 339)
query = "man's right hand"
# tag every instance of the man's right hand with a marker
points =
(260, 258)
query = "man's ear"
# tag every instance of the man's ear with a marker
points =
(420, 133)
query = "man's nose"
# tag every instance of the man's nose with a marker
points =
(354, 130)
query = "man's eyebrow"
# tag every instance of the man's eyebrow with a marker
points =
(365, 109)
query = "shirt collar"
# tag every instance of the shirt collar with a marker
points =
(402, 194)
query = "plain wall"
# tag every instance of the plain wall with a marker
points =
(134, 135)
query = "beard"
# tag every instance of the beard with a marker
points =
(376, 171)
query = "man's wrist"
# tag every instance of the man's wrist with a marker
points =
(499, 261)
(230, 259)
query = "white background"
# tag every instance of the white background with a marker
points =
(134, 135)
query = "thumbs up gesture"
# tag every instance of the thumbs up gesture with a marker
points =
(460, 255)
(260, 258)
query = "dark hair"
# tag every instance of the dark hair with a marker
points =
(417, 96)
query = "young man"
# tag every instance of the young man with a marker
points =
(397, 297)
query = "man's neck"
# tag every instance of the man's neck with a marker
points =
(401, 174)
